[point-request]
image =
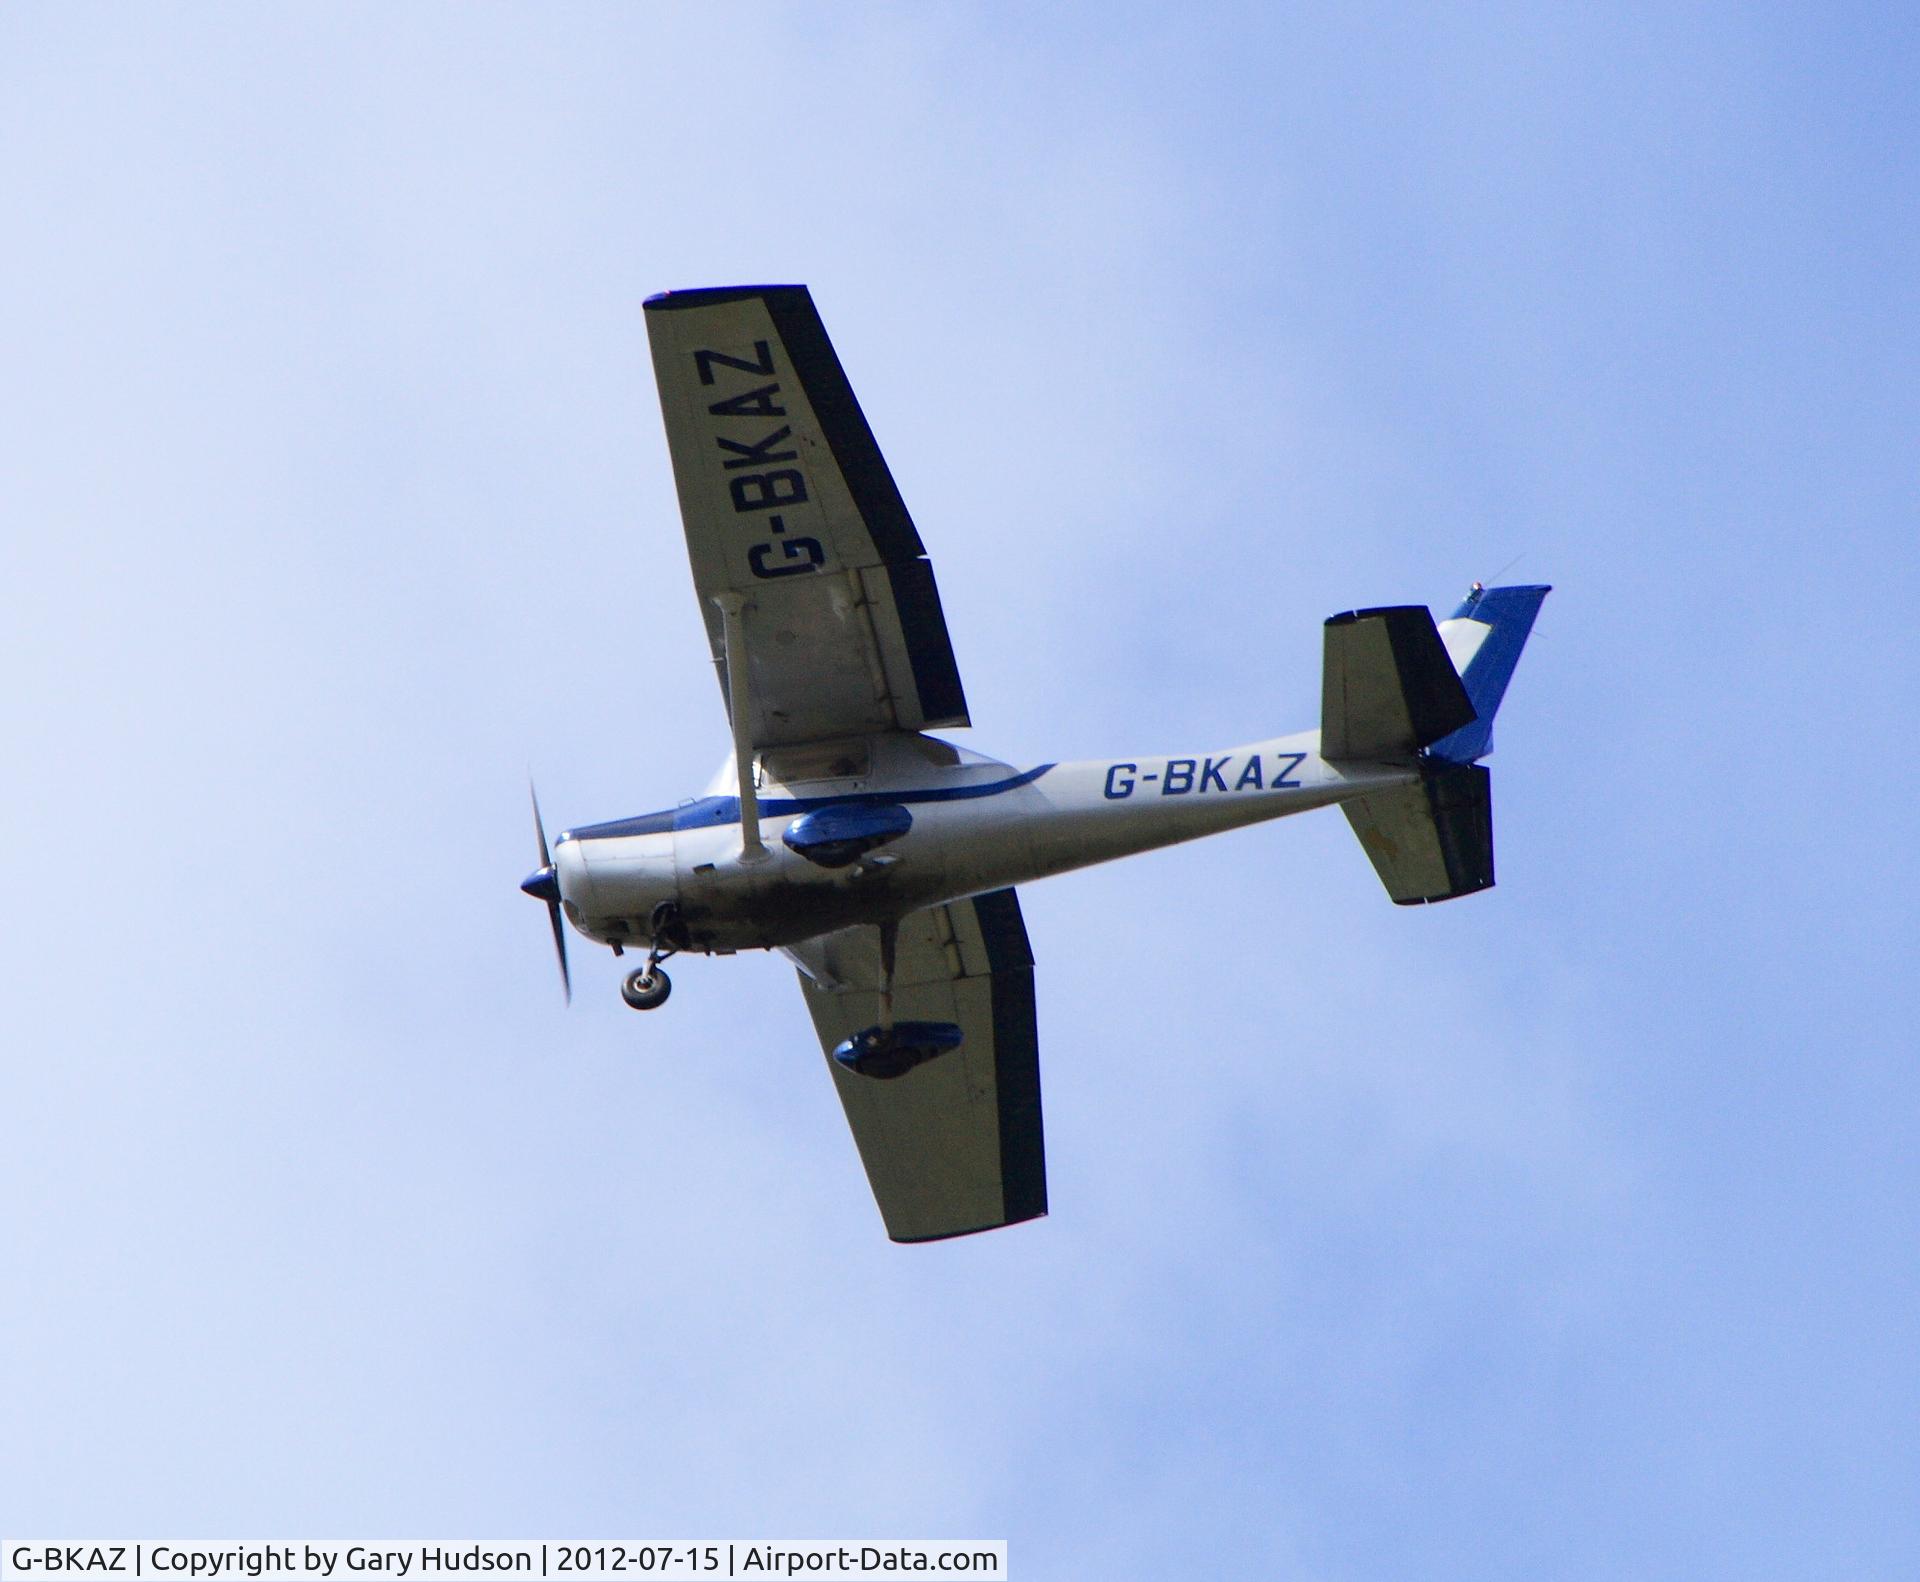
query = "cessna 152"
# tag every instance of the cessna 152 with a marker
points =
(883, 860)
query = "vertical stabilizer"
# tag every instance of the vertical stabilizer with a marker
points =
(1484, 638)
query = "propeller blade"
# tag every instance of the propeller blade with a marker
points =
(539, 828)
(544, 886)
(560, 949)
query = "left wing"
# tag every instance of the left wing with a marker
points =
(955, 1145)
(788, 505)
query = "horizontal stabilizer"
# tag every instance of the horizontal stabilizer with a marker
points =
(1387, 686)
(1433, 840)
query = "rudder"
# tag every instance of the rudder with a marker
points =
(1484, 638)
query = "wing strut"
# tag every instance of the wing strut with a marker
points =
(732, 608)
(889, 947)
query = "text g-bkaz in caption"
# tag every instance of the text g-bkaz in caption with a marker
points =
(702, 1560)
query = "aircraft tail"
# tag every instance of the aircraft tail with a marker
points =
(1395, 687)
(1484, 638)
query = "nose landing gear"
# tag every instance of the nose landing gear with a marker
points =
(646, 988)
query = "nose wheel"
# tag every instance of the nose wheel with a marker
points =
(646, 988)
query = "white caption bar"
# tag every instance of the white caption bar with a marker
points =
(698, 1560)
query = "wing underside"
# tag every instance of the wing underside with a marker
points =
(955, 1145)
(788, 503)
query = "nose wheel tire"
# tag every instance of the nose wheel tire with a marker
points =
(646, 988)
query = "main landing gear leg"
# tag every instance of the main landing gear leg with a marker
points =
(646, 988)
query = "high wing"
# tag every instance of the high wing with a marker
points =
(955, 1145)
(787, 501)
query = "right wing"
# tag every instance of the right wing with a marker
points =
(955, 1145)
(788, 504)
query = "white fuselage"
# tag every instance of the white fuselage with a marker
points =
(977, 825)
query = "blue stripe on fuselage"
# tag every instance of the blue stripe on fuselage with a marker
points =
(709, 811)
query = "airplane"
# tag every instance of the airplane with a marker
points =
(884, 861)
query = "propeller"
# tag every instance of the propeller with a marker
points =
(544, 885)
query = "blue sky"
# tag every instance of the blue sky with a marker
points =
(1568, 1230)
